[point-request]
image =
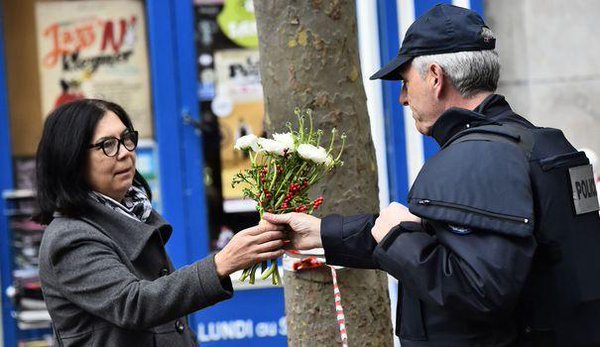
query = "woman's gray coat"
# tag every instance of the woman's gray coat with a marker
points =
(107, 281)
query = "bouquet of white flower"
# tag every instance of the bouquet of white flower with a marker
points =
(282, 171)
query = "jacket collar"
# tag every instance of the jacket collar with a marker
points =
(131, 235)
(492, 110)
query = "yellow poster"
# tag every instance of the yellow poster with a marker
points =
(95, 49)
(238, 103)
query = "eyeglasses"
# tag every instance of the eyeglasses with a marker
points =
(111, 145)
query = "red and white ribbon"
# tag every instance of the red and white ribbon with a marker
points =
(341, 319)
(304, 260)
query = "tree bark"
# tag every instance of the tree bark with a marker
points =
(309, 59)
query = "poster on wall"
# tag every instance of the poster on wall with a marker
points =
(95, 49)
(238, 105)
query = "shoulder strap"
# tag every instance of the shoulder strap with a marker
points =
(505, 132)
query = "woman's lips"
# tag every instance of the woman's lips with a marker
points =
(122, 172)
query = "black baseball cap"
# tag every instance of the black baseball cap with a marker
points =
(443, 29)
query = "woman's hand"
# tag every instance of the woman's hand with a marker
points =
(250, 246)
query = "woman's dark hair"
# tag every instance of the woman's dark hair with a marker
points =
(62, 157)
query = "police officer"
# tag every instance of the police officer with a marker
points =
(465, 247)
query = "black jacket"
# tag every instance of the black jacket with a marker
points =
(108, 281)
(462, 270)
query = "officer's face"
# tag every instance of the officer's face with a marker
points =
(419, 94)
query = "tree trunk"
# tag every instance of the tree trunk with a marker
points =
(309, 59)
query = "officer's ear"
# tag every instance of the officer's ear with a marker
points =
(437, 79)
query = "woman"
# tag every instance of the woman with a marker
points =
(106, 277)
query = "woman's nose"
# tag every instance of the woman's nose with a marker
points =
(123, 153)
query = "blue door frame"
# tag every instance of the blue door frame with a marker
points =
(173, 73)
(394, 117)
(6, 182)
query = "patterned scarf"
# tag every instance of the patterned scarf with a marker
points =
(135, 204)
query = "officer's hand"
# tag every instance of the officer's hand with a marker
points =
(389, 217)
(305, 229)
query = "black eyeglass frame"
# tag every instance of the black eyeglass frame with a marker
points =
(120, 142)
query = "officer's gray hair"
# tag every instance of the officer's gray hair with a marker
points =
(469, 72)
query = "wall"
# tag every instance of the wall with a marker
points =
(549, 63)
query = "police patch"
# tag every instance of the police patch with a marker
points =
(585, 195)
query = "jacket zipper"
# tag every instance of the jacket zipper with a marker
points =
(427, 202)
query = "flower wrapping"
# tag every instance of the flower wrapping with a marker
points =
(282, 171)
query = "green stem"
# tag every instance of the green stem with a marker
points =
(252, 158)
(274, 175)
(276, 277)
(253, 274)
(263, 266)
(333, 136)
(310, 120)
(341, 149)
(301, 129)
(269, 272)
(245, 274)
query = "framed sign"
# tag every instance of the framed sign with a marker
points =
(95, 49)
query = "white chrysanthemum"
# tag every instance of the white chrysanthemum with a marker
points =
(310, 152)
(247, 142)
(271, 146)
(287, 140)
